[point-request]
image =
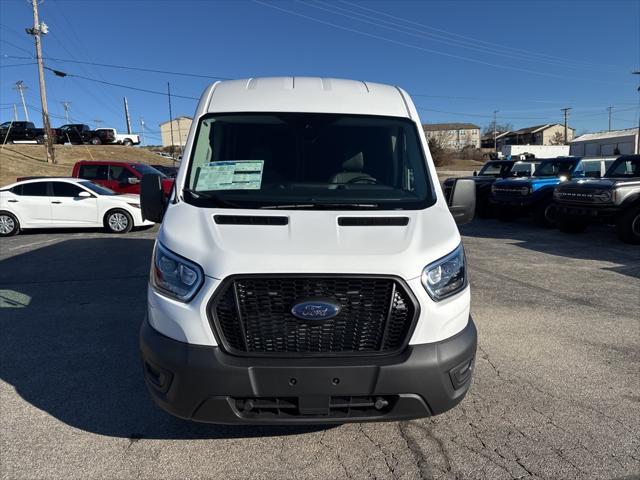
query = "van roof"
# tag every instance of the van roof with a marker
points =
(307, 94)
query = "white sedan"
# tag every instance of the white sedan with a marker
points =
(66, 203)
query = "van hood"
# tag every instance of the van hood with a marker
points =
(311, 241)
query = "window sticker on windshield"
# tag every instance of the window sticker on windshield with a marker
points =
(230, 175)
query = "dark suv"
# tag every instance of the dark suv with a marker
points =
(614, 198)
(489, 173)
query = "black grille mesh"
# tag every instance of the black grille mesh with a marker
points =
(253, 315)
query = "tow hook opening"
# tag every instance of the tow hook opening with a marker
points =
(158, 377)
(461, 374)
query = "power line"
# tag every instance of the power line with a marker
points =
(428, 50)
(127, 67)
(18, 64)
(475, 41)
(144, 90)
(16, 46)
(440, 38)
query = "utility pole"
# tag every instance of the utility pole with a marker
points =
(66, 106)
(15, 113)
(21, 88)
(171, 121)
(126, 115)
(495, 145)
(637, 72)
(609, 108)
(142, 129)
(180, 136)
(38, 30)
(566, 117)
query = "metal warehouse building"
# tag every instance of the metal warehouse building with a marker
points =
(615, 142)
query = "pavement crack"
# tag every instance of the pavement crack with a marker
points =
(390, 467)
(524, 467)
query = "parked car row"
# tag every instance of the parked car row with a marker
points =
(567, 192)
(74, 133)
(98, 194)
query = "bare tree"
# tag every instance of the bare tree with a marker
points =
(557, 139)
(500, 128)
(439, 152)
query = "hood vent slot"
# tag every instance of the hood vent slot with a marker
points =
(373, 221)
(250, 220)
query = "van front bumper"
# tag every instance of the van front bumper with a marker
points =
(206, 384)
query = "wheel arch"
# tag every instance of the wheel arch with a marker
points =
(632, 200)
(14, 213)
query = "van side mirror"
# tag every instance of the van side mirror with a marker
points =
(475, 173)
(462, 201)
(152, 201)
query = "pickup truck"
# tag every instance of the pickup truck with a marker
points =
(12, 132)
(489, 173)
(79, 133)
(121, 177)
(517, 196)
(127, 139)
(614, 198)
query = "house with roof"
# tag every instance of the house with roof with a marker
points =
(546, 134)
(486, 141)
(453, 136)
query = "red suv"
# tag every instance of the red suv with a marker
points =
(121, 177)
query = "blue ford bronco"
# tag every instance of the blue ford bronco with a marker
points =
(514, 197)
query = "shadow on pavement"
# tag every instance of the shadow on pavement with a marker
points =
(598, 243)
(69, 317)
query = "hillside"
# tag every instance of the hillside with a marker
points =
(30, 160)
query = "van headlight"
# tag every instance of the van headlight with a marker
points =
(447, 276)
(174, 276)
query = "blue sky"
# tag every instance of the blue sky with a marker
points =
(459, 60)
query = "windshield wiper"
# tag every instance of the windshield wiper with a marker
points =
(208, 195)
(322, 205)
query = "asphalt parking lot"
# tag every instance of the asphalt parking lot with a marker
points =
(556, 393)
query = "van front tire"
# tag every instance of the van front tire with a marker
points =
(118, 221)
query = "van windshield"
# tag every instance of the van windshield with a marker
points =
(307, 160)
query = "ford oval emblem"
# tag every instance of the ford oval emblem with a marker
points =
(315, 310)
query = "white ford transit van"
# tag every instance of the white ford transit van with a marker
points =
(308, 268)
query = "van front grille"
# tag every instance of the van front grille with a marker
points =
(252, 315)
